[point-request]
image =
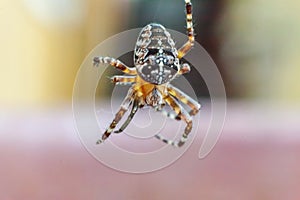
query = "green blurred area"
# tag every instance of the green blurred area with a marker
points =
(43, 43)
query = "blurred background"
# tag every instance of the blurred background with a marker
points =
(255, 46)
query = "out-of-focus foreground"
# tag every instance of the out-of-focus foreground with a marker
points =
(254, 44)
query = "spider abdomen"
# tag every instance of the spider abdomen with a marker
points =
(155, 36)
(155, 55)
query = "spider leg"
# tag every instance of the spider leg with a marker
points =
(170, 115)
(184, 115)
(185, 68)
(184, 98)
(124, 107)
(115, 63)
(190, 30)
(123, 80)
(131, 115)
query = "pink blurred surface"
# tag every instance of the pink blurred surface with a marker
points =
(257, 157)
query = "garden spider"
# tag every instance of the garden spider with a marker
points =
(156, 64)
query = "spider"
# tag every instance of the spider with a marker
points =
(156, 64)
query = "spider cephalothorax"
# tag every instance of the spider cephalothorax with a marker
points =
(156, 64)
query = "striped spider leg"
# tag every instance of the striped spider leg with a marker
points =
(123, 109)
(190, 30)
(115, 63)
(180, 113)
(134, 108)
(184, 98)
(122, 80)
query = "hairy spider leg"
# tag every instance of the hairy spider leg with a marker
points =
(170, 115)
(123, 80)
(115, 63)
(184, 115)
(124, 107)
(185, 68)
(190, 30)
(160, 108)
(130, 116)
(184, 98)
